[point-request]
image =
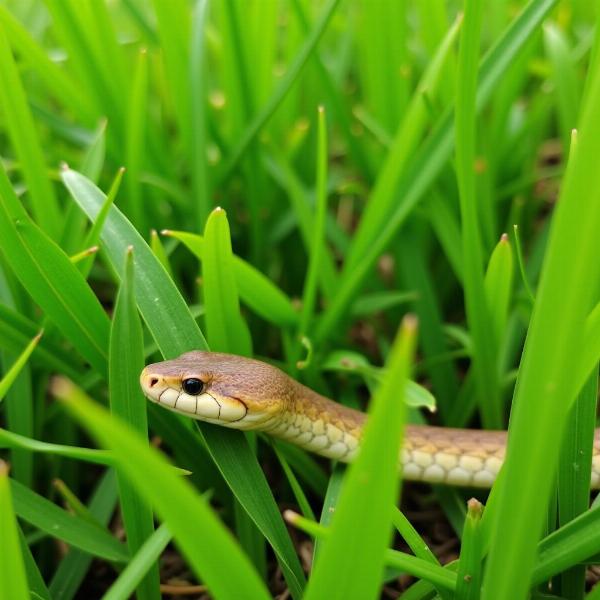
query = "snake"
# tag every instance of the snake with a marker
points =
(251, 395)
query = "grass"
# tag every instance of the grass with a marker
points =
(316, 171)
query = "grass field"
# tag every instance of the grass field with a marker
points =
(373, 158)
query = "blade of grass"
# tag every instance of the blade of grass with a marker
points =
(429, 161)
(417, 544)
(126, 361)
(198, 117)
(590, 353)
(241, 471)
(159, 252)
(406, 139)
(145, 559)
(173, 24)
(56, 80)
(16, 330)
(35, 581)
(565, 79)
(545, 387)
(9, 439)
(93, 236)
(52, 280)
(135, 146)
(72, 569)
(280, 92)
(219, 555)
(48, 517)
(13, 578)
(297, 490)
(309, 294)
(574, 474)
(226, 329)
(570, 545)
(498, 287)
(484, 357)
(256, 290)
(18, 120)
(404, 562)
(468, 581)
(162, 306)
(340, 109)
(12, 373)
(361, 526)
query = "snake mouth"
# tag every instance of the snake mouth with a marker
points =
(206, 406)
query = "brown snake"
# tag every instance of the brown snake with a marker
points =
(247, 394)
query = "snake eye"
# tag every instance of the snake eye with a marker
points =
(192, 386)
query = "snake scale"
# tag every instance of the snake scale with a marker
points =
(247, 394)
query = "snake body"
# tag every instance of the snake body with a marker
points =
(248, 394)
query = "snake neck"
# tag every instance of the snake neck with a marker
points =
(318, 424)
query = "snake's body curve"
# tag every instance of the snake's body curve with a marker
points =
(247, 394)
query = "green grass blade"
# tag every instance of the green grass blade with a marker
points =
(9, 439)
(406, 139)
(225, 328)
(159, 301)
(52, 280)
(286, 82)
(484, 360)
(13, 578)
(145, 559)
(242, 472)
(58, 83)
(198, 91)
(570, 545)
(126, 361)
(469, 571)
(15, 332)
(565, 79)
(135, 146)
(545, 388)
(12, 373)
(37, 586)
(498, 287)
(74, 27)
(45, 515)
(417, 544)
(403, 562)
(255, 290)
(351, 562)
(159, 252)
(317, 250)
(432, 157)
(590, 352)
(297, 490)
(72, 569)
(574, 474)
(93, 236)
(218, 555)
(19, 121)
(173, 23)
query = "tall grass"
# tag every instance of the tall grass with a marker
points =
(317, 170)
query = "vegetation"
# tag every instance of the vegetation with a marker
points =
(368, 158)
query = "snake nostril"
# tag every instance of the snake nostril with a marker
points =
(153, 382)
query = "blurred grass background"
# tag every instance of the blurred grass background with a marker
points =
(369, 155)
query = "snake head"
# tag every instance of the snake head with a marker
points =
(228, 390)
